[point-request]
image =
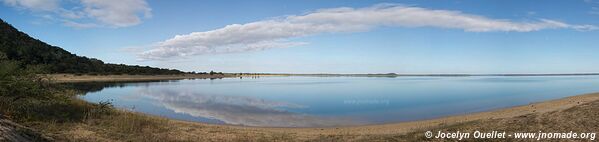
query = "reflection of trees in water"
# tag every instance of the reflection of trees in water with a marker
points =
(90, 87)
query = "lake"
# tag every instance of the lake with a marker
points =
(302, 101)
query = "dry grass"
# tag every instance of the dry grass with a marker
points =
(108, 124)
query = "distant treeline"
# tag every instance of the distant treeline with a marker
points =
(19, 46)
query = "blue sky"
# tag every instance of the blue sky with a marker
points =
(334, 36)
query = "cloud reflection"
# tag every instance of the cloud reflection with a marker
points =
(237, 110)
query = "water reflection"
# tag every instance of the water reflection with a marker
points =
(235, 110)
(330, 101)
(90, 87)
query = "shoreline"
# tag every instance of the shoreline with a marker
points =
(185, 130)
(71, 78)
(544, 106)
(418, 75)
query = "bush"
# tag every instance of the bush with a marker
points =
(26, 96)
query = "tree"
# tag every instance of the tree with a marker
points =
(18, 46)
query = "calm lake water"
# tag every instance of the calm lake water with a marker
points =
(332, 101)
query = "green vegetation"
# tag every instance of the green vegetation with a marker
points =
(26, 96)
(29, 99)
(21, 47)
(213, 73)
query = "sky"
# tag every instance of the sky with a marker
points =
(315, 36)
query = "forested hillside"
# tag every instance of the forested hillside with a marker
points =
(18, 46)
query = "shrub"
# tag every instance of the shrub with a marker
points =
(26, 96)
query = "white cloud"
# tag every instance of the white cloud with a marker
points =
(35, 5)
(275, 33)
(119, 13)
(111, 13)
(79, 25)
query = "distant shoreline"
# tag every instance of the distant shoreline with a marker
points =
(72, 78)
(400, 75)
(564, 74)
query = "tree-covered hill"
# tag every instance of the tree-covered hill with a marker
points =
(19, 46)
